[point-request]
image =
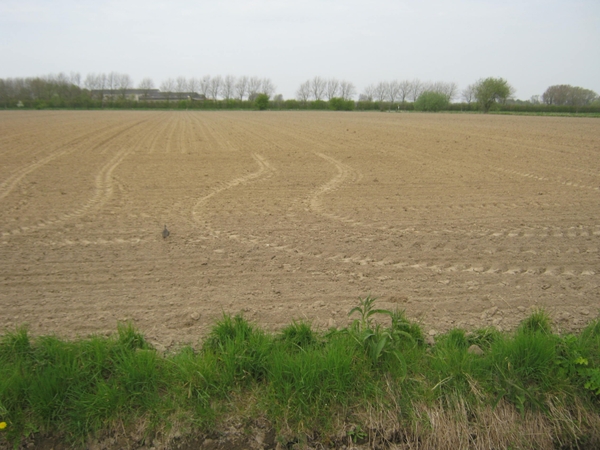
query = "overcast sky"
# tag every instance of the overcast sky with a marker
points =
(532, 44)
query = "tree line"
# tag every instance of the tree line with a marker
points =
(226, 88)
(565, 94)
(114, 89)
(484, 94)
(99, 90)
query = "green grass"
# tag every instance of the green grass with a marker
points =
(544, 113)
(376, 375)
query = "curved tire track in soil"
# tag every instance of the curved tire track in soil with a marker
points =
(344, 172)
(8, 185)
(533, 176)
(264, 169)
(103, 184)
(438, 265)
(103, 189)
(36, 140)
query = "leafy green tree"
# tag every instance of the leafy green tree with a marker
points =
(431, 101)
(490, 91)
(262, 101)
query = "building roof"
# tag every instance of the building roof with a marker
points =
(150, 94)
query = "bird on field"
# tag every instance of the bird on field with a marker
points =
(165, 233)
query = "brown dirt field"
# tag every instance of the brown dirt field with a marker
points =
(461, 220)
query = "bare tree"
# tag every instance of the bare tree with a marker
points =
(59, 84)
(430, 86)
(215, 86)
(368, 93)
(381, 90)
(241, 87)
(123, 83)
(441, 87)
(254, 87)
(332, 88)
(146, 85)
(228, 86)
(416, 88)
(75, 79)
(102, 83)
(111, 81)
(92, 83)
(468, 93)
(205, 85)
(193, 85)
(60, 79)
(451, 90)
(168, 87)
(317, 88)
(74, 85)
(96, 82)
(393, 90)
(347, 90)
(404, 90)
(267, 87)
(303, 92)
(278, 101)
(181, 87)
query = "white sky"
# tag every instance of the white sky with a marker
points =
(531, 43)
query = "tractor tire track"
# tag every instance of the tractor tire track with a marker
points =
(8, 185)
(103, 185)
(264, 169)
(441, 246)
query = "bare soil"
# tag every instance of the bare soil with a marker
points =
(461, 220)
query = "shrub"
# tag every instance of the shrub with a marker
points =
(431, 101)
(340, 104)
(317, 104)
(292, 104)
(262, 101)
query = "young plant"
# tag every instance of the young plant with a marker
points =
(376, 340)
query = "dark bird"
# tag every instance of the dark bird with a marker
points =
(166, 233)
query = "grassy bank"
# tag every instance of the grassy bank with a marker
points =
(377, 382)
(547, 114)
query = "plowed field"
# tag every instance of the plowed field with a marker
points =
(461, 220)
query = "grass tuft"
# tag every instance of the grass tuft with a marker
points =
(298, 336)
(537, 322)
